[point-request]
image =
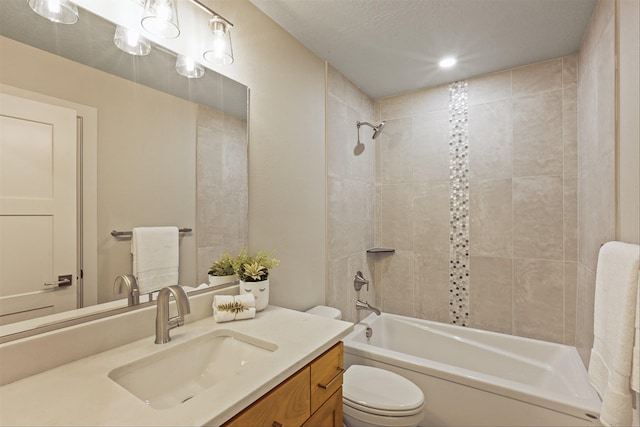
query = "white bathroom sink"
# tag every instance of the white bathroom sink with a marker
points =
(175, 375)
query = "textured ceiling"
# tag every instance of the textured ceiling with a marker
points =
(388, 47)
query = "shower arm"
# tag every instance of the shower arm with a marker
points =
(365, 123)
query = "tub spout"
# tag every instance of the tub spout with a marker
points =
(365, 306)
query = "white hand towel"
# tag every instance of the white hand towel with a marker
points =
(247, 300)
(222, 308)
(229, 307)
(248, 313)
(614, 318)
(156, 257)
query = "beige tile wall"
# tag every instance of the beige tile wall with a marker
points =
(523, 202)
(351, 194)
(595, 161)
(222, 187)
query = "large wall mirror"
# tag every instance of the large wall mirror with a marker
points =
(154, 148)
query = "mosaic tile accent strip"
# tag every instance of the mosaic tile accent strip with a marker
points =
(458, 204)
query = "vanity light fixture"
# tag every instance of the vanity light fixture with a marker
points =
(60, 11)
(130, 41)
(221, 52)
(160, 17)
(186, 66)
(447, 62)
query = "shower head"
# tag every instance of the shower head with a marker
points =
(376, 129)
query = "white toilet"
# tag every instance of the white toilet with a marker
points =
(376, 397)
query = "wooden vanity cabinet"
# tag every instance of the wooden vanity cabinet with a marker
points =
(311, 397)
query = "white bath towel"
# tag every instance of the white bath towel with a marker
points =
(229, 307)
(614, 320)
(156, 257)
(635, 363)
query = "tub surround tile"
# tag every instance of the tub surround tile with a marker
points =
(490, 88)
(538, 310)
(432, 99)
(430, 146)
(539, 77)
(570, 298)
(606, 90)
(336, 137)
(490, 141)
(396, 273)
(491, 294)
(569, 71)
(395, 152)
(585, 300)
(396, 216)
(538, 217)
(491, 216)
(431, 217)
(523, 172)
(431, 290)
(222, 192)
(570, 217)
(570, 130)
(395, 107)
(537, 134)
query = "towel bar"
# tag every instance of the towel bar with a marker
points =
(115, 233)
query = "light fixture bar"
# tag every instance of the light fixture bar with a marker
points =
(211, 12)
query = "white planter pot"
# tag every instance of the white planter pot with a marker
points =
(222, 280)
(260, 291)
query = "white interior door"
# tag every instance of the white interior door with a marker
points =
(37, 209)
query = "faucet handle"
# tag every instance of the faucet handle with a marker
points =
(359, 281)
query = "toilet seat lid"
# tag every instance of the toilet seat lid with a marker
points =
(378, 390)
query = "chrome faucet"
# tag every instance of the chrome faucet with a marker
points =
(163, 322)
(131, 285)
(365, 306)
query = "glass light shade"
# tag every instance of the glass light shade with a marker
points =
(221, 52)
(160, 17)
(131, 42)
(61, 11)
(186, 66)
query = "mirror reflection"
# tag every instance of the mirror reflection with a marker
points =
(150, 147)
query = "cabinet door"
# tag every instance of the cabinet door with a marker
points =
(286, 405)
(329, 414)
(326, 375)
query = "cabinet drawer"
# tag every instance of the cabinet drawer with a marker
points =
(286, 405)
(326, 375)
(329, 414)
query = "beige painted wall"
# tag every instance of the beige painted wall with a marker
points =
(286, 151)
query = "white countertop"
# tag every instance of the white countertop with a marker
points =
(81, 393)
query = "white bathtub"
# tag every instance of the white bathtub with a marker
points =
(472, 377)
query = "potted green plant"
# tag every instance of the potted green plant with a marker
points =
(253, 272)
(222, 271)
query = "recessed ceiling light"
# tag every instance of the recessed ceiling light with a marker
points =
(447, 62)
